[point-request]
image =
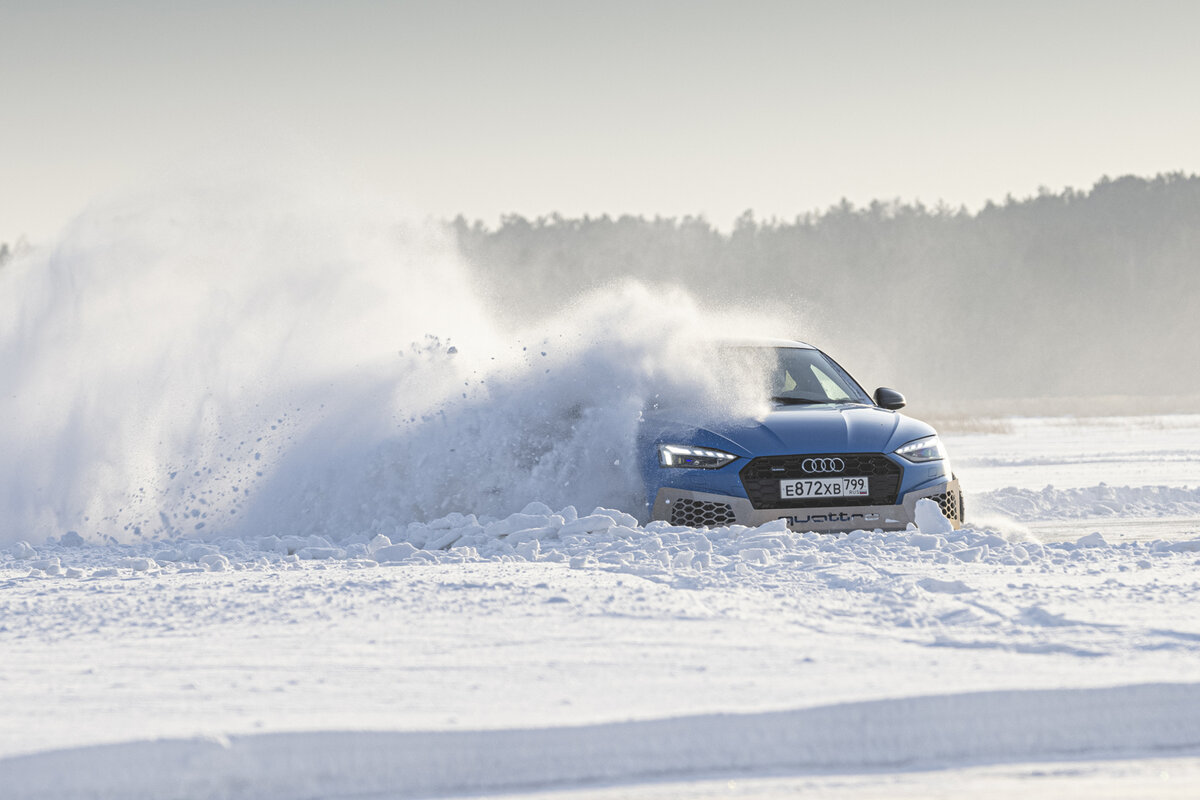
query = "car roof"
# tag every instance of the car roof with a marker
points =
(763, 342)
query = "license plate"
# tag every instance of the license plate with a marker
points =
(805, 488)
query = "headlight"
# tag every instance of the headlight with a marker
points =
(918, 451)
(679, 455)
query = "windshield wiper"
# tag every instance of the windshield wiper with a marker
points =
(798, 401)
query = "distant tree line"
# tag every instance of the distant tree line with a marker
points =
(1080, 293)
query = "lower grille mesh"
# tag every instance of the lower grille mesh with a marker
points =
(951, 504)
(701, 514)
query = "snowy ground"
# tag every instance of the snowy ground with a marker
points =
(1050, 649)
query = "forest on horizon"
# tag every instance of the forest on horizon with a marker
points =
(1079, 293)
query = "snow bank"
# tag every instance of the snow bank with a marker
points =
(605, 539)
(1094, 501)
(910, 733)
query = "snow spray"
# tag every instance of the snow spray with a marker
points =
(242, 358)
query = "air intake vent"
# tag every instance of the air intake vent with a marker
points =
(701, 514)
(951, 504)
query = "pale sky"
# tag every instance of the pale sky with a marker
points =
(671, 108)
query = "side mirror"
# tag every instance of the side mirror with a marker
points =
(889, 398)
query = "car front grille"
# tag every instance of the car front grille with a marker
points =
(701, 513)
(762, 475)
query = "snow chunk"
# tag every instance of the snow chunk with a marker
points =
(1037, 615)
(529, 550)
(71, 539)
(943, 587)
(395, 552)
(522, 522)
(214, 562)
(925, 541)
(1091, 540)
(200, 551)
(444, 541)
(531, 534)
(23, 550)
(321, 553)
(683, 559)
(930, 518)
(589, 524)
(755, 555)
(455, 520)
(972, 554)
(618, 517)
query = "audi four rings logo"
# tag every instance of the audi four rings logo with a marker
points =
(822, 465)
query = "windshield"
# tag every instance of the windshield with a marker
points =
(798, 376)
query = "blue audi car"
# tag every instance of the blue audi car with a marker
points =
(826, 457)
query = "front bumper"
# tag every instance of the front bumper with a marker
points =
(703, 509)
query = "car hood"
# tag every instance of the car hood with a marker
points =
(843, 428)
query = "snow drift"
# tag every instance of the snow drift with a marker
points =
(910, 733)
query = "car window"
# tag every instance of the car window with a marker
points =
(792, 375)
(803, 375)
(832, 390)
